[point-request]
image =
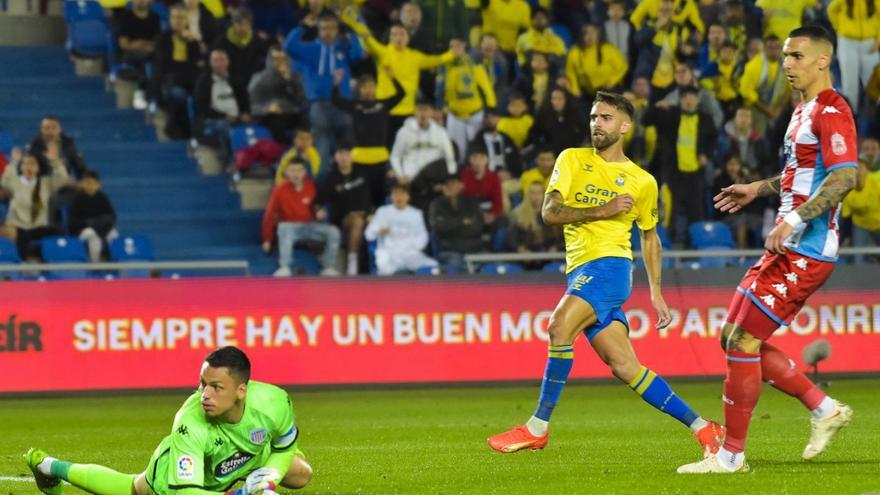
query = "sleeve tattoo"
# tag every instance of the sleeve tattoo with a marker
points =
(554, 212)
(769, 187)
(833, 189)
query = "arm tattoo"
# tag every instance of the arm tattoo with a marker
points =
(769, 187)
(838, 183)
(555, 213)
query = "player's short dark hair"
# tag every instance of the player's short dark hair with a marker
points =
(91, 174)
(814, 32)
(617, 101)
(233, 359)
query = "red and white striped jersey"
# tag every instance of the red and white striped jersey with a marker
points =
(821, 137)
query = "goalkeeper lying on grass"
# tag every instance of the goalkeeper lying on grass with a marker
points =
(231, 429)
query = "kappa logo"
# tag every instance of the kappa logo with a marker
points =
(830, 110)
(781, 289)
(838, 144)
(791, 277)
(182, 430)
(769, 300)
(801, 263)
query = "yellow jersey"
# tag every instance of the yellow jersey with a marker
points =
(586, 180)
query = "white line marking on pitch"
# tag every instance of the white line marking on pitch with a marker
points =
(16, 478)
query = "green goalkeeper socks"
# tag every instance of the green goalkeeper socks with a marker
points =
(96, 479)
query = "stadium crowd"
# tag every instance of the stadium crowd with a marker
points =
(428, 130)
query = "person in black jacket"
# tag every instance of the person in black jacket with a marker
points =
(456, 223)
(52, 142)
(246, 50)
(370, 116)
(92, 216)
(178, 61)
(685, 141)
(536, 80)
(220, 102)
(346, 192)
(559, 123)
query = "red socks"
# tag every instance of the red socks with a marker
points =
(741, 391)
(778, 370)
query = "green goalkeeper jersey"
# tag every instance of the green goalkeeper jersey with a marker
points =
(211, 455)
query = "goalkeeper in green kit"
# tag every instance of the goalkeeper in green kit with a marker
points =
(231, 429)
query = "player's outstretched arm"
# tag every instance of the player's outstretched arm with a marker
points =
(735, 197)
(554, 212)
(652, 250)
(838, 184)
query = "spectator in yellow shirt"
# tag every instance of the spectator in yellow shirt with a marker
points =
(721, 77)
(303, 150)
(404, 63)
(506, 19)
(857, 23)
(544, 162)
(661, 44)
(594, 64)
(763, 86)
(862, 206)
(518, 123)
(784, 16)
(540, 38)
(685, 12)
(466, 91)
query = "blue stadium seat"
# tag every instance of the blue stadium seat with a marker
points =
(6, 144)
(87, 28)
(64, 250)
(501, 268)
(242, 136)
(306, 262)
(554, 267)
(715, 235)
(371, 254)
(428, 270)
(132, 248)
(498, 238)
(563, 32)
(8, 252)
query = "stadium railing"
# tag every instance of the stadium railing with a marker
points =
(474, 261)
(158, 266)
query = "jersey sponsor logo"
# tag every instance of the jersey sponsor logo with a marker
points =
(258, 435)
(830, 110)
(232, 463)
(185, 469)
(838, 144)
(594, 196)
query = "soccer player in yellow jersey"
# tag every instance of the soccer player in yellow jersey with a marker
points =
(597, 193)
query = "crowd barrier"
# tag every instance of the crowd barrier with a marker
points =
(130, 334)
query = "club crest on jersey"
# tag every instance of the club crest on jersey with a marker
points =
(838, 144)
(620, 180)
(185, 470)
(258, 436)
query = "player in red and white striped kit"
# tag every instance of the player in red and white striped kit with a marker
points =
(820, 169)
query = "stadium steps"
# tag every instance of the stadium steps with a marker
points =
(155, 188)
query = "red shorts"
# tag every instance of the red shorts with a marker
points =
(773, 291)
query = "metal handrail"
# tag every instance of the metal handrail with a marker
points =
(130, 265)
(677, 254)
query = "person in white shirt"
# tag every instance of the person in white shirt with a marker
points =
(401, 234)
(420, 143)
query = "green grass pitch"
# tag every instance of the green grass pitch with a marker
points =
(432, 441)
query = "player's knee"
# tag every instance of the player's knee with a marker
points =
(299, 475)
(624, 369)
(559, 332)
(726, 332)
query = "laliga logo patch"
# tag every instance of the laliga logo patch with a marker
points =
(838, 144)
(185, 469)
(554, 177)
(258, 436)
